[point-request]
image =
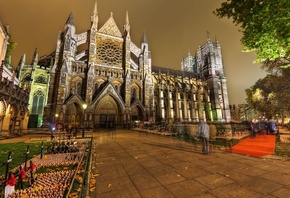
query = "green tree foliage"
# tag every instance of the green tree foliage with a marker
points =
(11, 46)
(265, 25)
(270, 94)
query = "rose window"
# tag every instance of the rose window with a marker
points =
(109, 53)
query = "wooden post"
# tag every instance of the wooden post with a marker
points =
(7, 162)
(26, 156)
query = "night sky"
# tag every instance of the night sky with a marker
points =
(173, 28)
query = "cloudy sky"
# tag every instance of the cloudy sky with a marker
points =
(173, 28)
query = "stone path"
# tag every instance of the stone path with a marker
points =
(132, 164)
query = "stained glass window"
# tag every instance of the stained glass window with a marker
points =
(109, 53)
(38, 102)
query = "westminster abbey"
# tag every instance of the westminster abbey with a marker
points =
(113, 82)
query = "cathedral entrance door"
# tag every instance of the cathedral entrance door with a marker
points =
(108, 113)
(136, 114)
(107, 120)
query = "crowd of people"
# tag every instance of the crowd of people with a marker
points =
(62, 147)
(263, 126)
(256, 126)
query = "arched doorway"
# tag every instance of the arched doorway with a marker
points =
(136, 116)
(108, 113)
(73, 115)
(2, 114)
(136, 113)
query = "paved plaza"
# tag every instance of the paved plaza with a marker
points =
(132, 164)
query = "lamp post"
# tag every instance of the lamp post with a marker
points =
(55, 120)
(84, 108)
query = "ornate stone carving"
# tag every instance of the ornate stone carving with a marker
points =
(109, 52)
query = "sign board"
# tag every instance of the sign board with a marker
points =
(59, 126)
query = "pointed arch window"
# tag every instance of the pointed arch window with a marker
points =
(206, 58)
(96, 91)
(2, 108)
(27, 78)
(40, 79)
(38, 102)
(134, 95)
(79, 88)
(96, 87)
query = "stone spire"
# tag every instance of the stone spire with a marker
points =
(144, 38)
(20, 65)
(70, 20)
(22, 61)
(207, 35)
(95, 18)
(127, 25)
(34, 58)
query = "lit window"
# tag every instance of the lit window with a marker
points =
(38, 103)
(40, 79)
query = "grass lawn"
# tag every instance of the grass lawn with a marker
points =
(18, 153)
(282, 149)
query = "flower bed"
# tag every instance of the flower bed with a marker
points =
(56, 173)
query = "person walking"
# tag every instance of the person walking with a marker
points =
(272, 126)
(51, 136)
(253, 126)
(203, 134)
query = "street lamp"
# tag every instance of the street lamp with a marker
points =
(84, 108)
(54, 122)
(56, 117)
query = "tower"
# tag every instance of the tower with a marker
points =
(212, 72)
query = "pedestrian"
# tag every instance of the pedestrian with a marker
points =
(272, 126)
(203, 134)
(21, 176)
(10, 185)
(253, 128)
(52, 136)
(68, 134)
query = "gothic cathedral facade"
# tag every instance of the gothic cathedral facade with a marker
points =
(113, 82)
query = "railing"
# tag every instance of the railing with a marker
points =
(83, 163)
(7, 88)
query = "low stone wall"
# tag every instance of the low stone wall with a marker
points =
(284, 135)
(284, 138)
(226, 131)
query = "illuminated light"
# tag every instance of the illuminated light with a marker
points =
(85, 106)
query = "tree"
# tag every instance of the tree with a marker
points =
(265, 25)
(11, 46)
(269, 95)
